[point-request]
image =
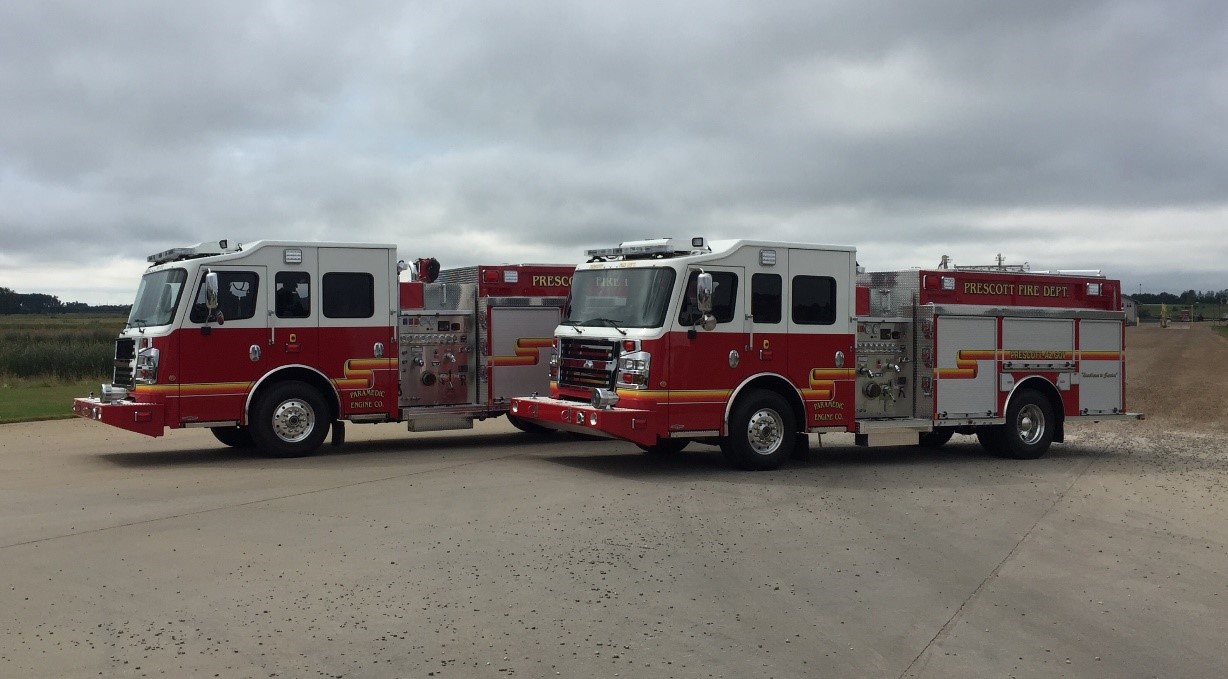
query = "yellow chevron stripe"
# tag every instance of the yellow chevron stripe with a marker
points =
(1100, 355)
(360, 372)
(965, 364)
(527, 352)
(966, 361)
(196, 389)
(822, 382)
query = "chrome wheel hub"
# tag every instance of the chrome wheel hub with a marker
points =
(765, 432)
(293, 421)
(1030, 425)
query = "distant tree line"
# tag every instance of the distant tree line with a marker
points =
(1187, 297)
(36, 303)
(12, 302)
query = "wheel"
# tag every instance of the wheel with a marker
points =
(936, 438)
(527, 426)
(1029, 426)
(990, 438)
(290, 420)
(664, 447)
(235, 437)
(761, 431)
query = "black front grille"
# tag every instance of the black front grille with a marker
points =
(587, 363)
(125, 362)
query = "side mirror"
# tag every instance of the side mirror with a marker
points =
(703, 299)
(703, 293)
(211, 291)
(211, 288)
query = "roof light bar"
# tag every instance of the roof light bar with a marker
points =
(221, 247)
(647, 248)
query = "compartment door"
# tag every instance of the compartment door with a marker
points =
(818, 309)
(1100, 368)
(965, 373)
(520, 341)
(357, 340)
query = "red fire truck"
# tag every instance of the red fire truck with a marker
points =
(752, 345)
(271, 343)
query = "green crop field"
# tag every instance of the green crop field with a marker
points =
(47, 360)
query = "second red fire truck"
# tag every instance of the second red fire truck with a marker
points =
(275, 343)
(753, 345)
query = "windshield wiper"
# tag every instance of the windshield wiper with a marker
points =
(573, 325)
(608, 321)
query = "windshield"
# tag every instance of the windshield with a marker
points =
(157, 298)
(619, 298)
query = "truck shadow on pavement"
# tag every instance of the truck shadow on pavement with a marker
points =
(827, 464)
(605, 457)
(383, 449)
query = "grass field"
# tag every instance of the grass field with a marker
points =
(47, 360)
(28, 400)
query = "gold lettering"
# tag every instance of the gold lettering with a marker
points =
(544, 281)
(976, 288)
(1038, 355)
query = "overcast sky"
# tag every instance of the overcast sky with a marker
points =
(1064, 134)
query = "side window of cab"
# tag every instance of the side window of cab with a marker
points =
(814, 300)
(236, 296)
(724, 298)
(292, 294)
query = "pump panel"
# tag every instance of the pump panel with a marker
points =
(438, 358)
(886, 370)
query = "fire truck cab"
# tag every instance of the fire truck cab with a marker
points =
(753, 345)
(273, 343)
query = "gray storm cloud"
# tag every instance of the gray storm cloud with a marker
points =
(1065, 134)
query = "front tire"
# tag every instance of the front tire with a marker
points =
(527, 426)
(291, 419)
(1029, 426)
(762, 432)
(665, 447)
(235, 437)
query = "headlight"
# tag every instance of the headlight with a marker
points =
(633, 370)
(637, 364)
(147, 366)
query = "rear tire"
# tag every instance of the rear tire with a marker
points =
(762, 432)
(936, 438)
(990, 438)
(291, 419)
(527, 426)
(235, 437)
(1029, 426)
